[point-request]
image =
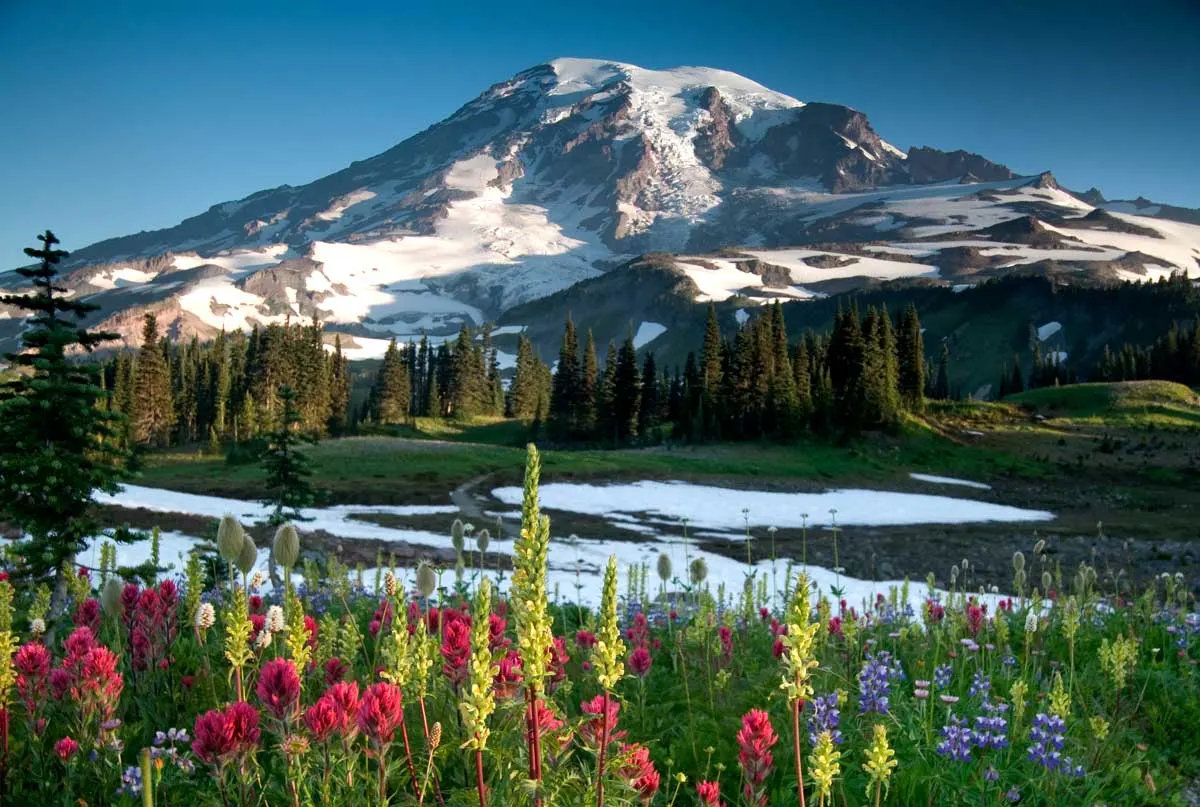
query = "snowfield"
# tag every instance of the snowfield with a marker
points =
(647, 332)
(576, 566)
(948, 480)
(727, 509)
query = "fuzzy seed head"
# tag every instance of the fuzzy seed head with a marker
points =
(248, 556)
(426, 579)
(287, 546)
(229, 538)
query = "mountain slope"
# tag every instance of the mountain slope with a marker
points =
(574, 167)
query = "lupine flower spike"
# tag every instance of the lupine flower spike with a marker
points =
(881, 761)
(480, 700)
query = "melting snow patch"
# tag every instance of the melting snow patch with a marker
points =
(723, 509)
(741, 316)
(947, 480)
(647, 332)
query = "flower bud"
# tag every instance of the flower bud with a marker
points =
(1047, 580)
(426, 579)
(698, 571)
(110, 597)
(389, 583)
(664, 566)
(248, 555)
(456, 536)
(1018, 561)
(287, 546)
(483, 540)
(230, 536)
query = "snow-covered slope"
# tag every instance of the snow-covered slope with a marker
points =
(571, 168)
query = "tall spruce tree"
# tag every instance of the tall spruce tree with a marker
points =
(942, 386)
(650, 406)
(286, 466)
(524, 391)
(153, 410)
(588, 381)
(390, 395)
(339, 389)
(58, 445)
(711, 374)
(627, 393)
(606, 398)
(911, 355)
(564, 396)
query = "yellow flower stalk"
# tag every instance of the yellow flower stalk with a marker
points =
(609, 651)
(1017, 696)
(397, 654)
(826, 765)
(480, 701)
(1060, 699)
(1118, 659)
(1099, 727)
(238, 628)
(297, 634)
(8, 674)
(425, 646)
(881, 761)
(6, 606)
(529, 600)
(798, 660)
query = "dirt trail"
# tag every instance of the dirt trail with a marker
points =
(464, 498)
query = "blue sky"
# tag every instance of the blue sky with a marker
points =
(129, 115)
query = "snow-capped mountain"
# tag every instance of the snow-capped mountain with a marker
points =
(571, 168)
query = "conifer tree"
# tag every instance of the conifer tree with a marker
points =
(1016, 382)
(711, 373)
(649, 408)
(564, 396)
(627, 391)
(588, 380)
(286, 466)
(222, 385)
(606, 398)
(523, 392)
(942, 387)
(911, 356)
(153, 410)
(57, 445)
(390, 395)
(339, 389)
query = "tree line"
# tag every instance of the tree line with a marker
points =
(865, 374)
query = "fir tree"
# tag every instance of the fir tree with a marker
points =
(523, 392)
(606, 397)
(942, 387)
(286, 466)
(588, 381)
(57, 444)
(153, 411)
(1016, 381)
(650, 406)
(565, 393)
(339, 389)
(911, 357)
(626, 390)
(390, 395)
(712, 372)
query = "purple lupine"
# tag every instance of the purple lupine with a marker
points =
(1009, 660)
(1047, 735)
(991, 774)
(942, 675)
(956, 740)
(825, 717)
(980, 685)
(991, 727)
(1013, 795)
(874, 684)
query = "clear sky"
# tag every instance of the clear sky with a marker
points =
(128, 115)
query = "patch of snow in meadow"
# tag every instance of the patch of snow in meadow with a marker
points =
(741, 316)
(576, 567)
(647, 332)
(505, 330)
(722, 508)
(948, 480)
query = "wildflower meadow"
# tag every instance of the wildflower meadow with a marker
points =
(221, 687)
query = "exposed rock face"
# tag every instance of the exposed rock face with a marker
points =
(927, 164)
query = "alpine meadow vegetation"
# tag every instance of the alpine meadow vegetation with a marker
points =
(214, 685)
